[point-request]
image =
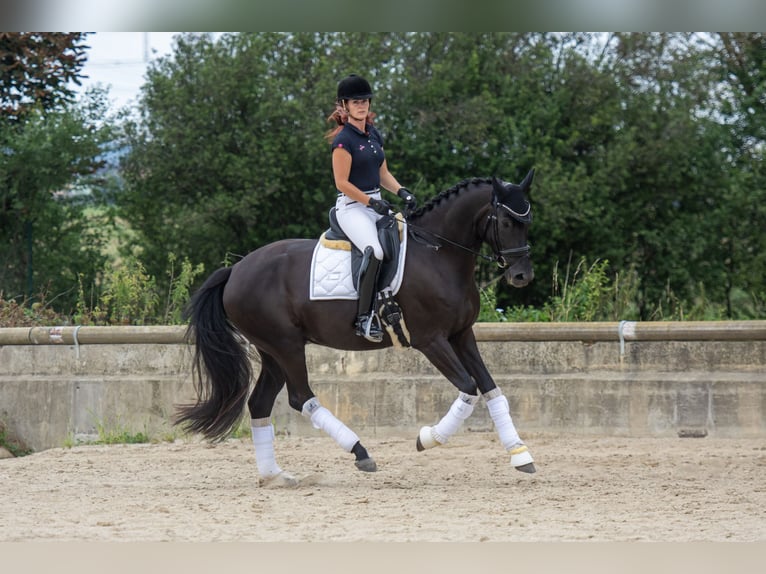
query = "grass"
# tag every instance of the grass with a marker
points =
(109, 434)
(13, 444)
(113, 431)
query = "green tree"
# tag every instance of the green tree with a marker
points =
(639, 160)
(738, 63)
(633, 157)
(38, 70)
(50, 147)
(682, 203)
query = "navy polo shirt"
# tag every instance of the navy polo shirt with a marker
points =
(366, 155)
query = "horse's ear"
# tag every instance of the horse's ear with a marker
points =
(499, 191)
(527, 181)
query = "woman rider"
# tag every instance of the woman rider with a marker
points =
(360, 170)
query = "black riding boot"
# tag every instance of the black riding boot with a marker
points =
(367, 323)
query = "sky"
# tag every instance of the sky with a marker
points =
(118, 61)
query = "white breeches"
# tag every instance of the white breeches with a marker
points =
(358, 222)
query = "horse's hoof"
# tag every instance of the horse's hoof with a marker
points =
(529, 468)
(522, 460)
(281, 480)
(366, 465)
(425, 439)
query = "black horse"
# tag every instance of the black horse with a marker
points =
(264, 298)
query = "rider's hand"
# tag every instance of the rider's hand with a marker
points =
(380, 206)
(409, 200)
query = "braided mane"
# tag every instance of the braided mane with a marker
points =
(446, 194)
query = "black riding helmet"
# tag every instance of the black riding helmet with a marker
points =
(354, 87)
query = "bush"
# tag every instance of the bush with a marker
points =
(131, 297)
(589, 293)
(28, 313)
(127, 295)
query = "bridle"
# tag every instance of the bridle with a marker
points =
(500, 254)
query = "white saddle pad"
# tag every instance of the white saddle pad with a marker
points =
(331, 271)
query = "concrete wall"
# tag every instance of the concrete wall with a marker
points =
(51, 394)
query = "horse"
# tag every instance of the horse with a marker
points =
(262, 302)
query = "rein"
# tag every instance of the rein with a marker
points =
(442, 238)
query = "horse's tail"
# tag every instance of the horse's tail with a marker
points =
(221, 367)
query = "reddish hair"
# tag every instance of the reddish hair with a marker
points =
(340, 117)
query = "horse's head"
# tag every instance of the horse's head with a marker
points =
(510, 219)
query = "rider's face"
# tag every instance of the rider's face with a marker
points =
(358, 109)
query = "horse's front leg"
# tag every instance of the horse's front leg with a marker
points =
(443, 357)
(467, 350)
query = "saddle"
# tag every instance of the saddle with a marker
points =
(390, 237)
(390, 233)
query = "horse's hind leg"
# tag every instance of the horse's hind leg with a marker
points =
(260, 404)
(322, 418)
(302, 399)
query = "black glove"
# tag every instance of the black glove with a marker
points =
(379, 206)
(410, 202)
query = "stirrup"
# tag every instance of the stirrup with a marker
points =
(368, 326)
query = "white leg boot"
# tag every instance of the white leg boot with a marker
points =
(500, 412)
(322, 418)
(263, 440)
(441, 432)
